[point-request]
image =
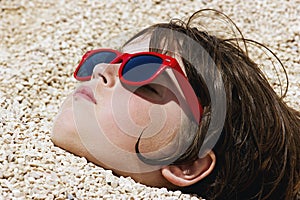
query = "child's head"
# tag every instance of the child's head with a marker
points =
(224, 133)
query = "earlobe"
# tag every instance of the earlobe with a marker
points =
(188, 174)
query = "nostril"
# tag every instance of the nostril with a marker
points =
(103, 78)
(105, 74)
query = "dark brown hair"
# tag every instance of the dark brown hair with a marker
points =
(258, 150)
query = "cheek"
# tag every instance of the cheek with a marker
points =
(115, 123)
(144, 113)
(139, 111)
(156, 117)
(160, 124)
(122, 122)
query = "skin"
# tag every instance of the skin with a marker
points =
(102, 120)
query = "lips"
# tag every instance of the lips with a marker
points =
(86, 93)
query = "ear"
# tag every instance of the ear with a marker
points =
(187, 174)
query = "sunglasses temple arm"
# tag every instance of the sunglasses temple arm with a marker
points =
(190, 96)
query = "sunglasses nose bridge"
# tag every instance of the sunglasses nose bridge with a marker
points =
(106, 73)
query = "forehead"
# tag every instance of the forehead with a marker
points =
(139, 44)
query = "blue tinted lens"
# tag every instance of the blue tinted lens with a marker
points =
(88, 66)
(141, 68)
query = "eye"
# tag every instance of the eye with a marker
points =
(151, 92)
(150, 88)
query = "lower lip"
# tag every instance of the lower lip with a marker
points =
(85, 96)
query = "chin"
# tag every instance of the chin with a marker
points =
(63, 131)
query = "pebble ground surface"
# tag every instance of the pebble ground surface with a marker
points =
(41, 42)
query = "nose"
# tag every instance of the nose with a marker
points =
(107, 73)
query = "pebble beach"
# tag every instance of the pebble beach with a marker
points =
(42, 42)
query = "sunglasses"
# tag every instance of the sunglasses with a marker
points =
(139, 69)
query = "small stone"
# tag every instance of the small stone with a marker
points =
(19, 86)
(31, 81)
(31, 179)
(70, 196)
(114, 183)
(17, 193)
(7, 174)
(177, 193)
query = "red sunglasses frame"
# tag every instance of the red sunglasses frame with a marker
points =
(167, 62)
(86, 56)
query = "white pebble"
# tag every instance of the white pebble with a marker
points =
(19, 86)
(17, 193)
(31, 179)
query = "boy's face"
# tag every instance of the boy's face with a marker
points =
(102, 121)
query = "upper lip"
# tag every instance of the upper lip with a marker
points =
(87, 92)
